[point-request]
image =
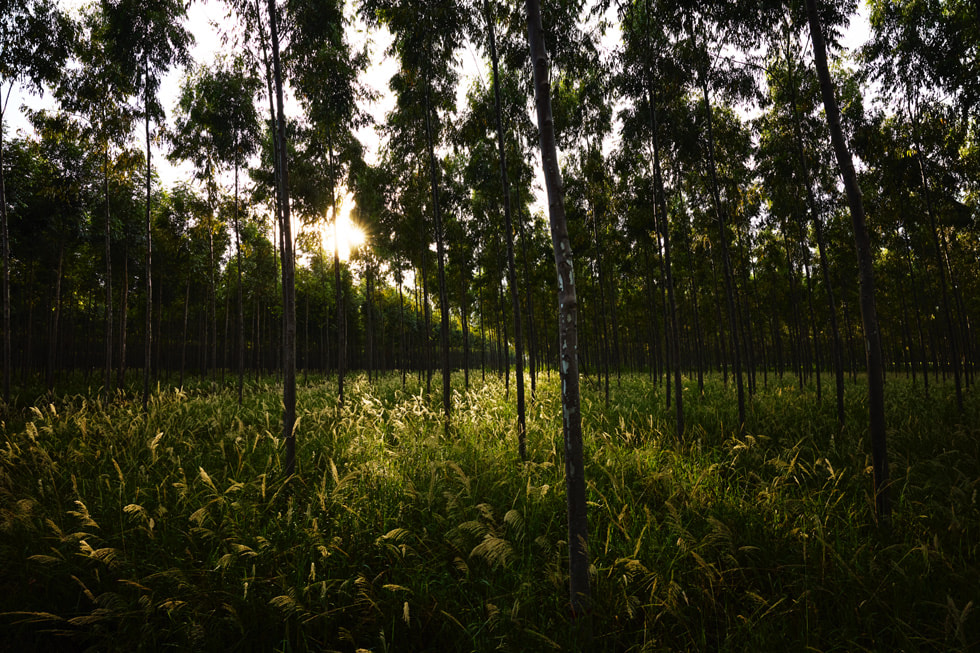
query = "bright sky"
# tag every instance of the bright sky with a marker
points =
(204, 16)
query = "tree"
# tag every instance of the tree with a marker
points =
(869, 313)
(288, 255)
(99, 91)
(509, 231)
(425, 39)
(35, 39)
(217, 126)
(326, 71)
(578, 555)
(147, 37)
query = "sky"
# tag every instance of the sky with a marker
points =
(205, 16)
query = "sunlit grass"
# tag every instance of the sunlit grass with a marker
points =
(175, 528)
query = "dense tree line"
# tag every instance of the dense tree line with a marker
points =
(705, 178)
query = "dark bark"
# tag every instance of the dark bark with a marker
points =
(838, 355)
(288, 274)
(441, 254)
(6, 276)
(663, 234)
(869, 313)
(148, 260)
(578, 559)
(107, 376)
(730, 299)
(509, 233)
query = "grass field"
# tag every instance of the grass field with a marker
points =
(127, 531)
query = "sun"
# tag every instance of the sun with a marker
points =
(346, 237)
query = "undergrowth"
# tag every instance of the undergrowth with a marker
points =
(124, 530)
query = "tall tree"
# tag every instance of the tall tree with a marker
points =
(148, 38)
(509, 233)
(326, 72)
(578, 555)
(425, 40)
(288, 255)
(100, 91)
(35, 40)
(217, 127)
(869, 312)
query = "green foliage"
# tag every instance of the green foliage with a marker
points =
(174, 528)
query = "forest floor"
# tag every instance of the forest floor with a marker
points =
(124, 530)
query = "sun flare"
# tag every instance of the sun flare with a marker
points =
(345, 236)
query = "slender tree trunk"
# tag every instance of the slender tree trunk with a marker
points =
(6, 270)
(578, 531)
(123, 319)
(726, 259)
(529, 298)
(240, 336)
(869, 313)
(148, 335)
(663, 231)
(838, 354)
(942, 264)
(55, 321)
(107, 377)
(604, 333)
(402, 363)
(441, 253)
(464, 319)
(509, 232)
(288, 276)
(183, 342)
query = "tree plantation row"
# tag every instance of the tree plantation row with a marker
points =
(706, 213)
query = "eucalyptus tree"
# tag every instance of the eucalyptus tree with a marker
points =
(325, 71)
(275, 76)
(488, 144)
(698, 34)
(647, 77)
(425, 41)
(217, 126)
(793, 144)
(580, 594)
(869, 313)
(921, 76)
(63, 182)
(98, 90)
(147, 38)
(35, 41)
(508, 230)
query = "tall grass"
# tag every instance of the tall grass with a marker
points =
(121, 530)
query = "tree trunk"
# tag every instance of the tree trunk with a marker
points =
(509, 232)
(55, 321)
(107, 380)
(288, 275)
(240, 336)
(726, 260)
(148, 335)
(838, 354)
(663, 231)
(869, 313)
(578, 558)
(6, 277)
(441, 253)
(123, 319)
